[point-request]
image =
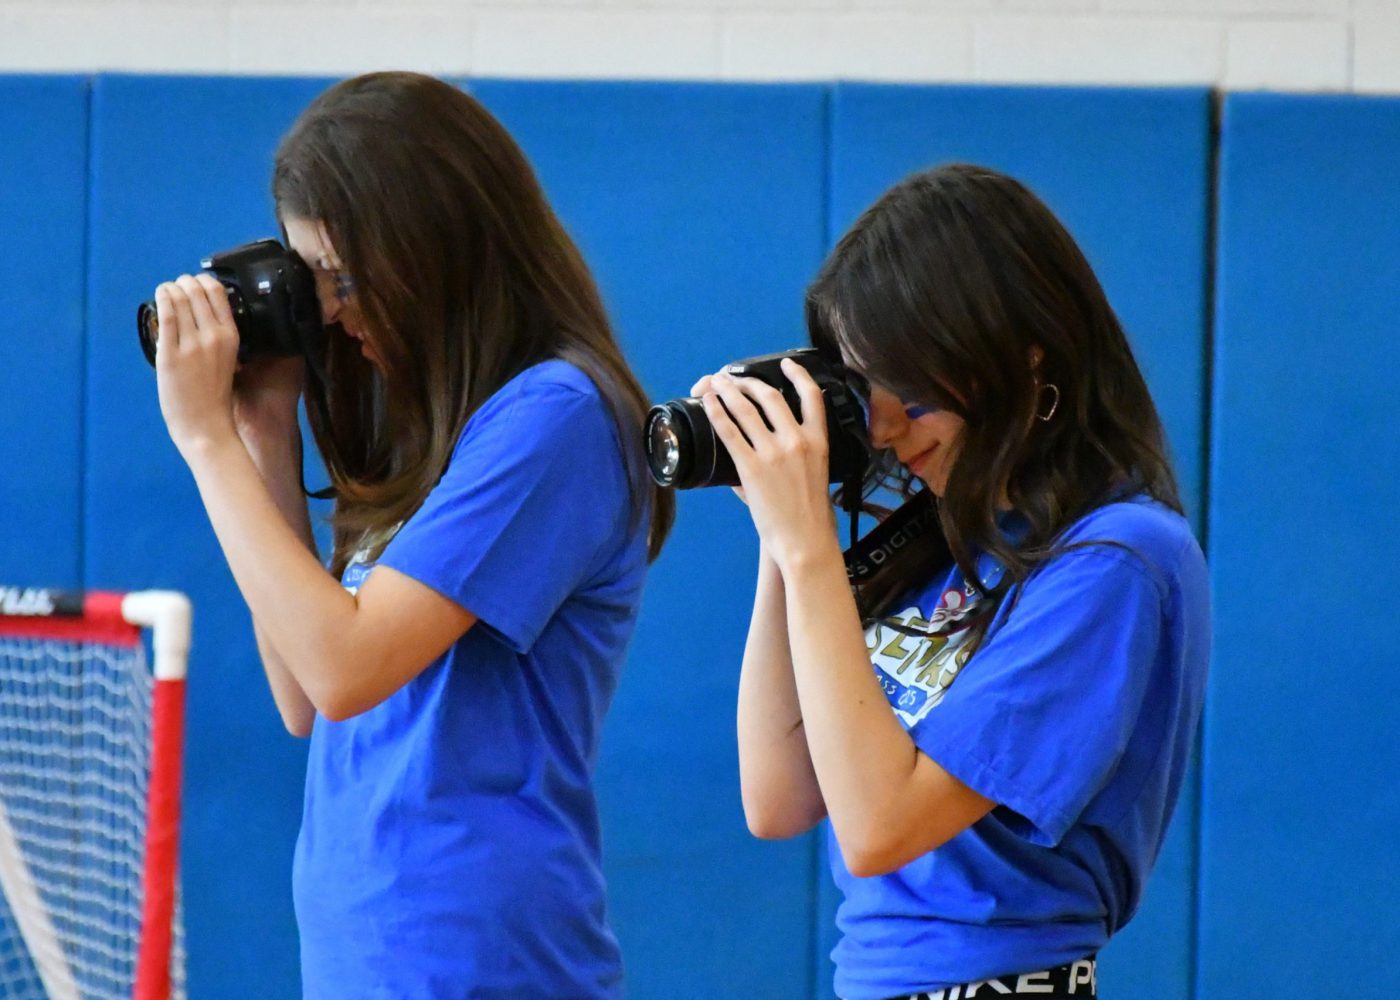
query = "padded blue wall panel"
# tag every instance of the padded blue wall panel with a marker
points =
(180, 168)
(43, 208)
(700, 208)
(1300, 854)
(1127, 171)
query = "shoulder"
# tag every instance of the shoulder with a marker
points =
(550, 416)
(552, 383)
(553, 404)
(1140, 522)
(1138, 536)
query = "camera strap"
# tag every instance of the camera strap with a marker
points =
(868, 556)
(871, 557)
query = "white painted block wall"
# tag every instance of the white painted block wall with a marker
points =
(1300, 45)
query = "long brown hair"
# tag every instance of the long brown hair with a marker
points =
(463, 276)
(959, 288)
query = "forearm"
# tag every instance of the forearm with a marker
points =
(861, 755)
(888, 802)
(300, 610)
(780, 791)
(277, 455)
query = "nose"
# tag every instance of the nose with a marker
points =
(332, 310)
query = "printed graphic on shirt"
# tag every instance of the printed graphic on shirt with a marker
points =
(916, 671)
(359, 566)
(356, 571)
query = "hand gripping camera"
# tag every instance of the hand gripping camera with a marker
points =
(273, 297)
(684, 452)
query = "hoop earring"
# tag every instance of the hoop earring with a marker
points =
(1054, 404)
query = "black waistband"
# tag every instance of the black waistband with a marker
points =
(1073, 979)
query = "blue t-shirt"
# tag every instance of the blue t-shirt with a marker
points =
(450, 841)
(1076, 714)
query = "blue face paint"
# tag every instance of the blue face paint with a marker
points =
(860, 389)
(342, 285)
(914, 411)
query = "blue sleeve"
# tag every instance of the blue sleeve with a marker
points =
(530, 507)
(1039, 718)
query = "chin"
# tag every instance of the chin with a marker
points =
(935, 486)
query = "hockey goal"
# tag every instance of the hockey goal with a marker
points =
(90, 745)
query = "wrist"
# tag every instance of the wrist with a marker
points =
(768, 572)
(813, 557)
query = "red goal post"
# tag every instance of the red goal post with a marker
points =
(90, 762)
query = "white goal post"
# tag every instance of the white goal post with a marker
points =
(91, 740)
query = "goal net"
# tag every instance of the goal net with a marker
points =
(90, 742)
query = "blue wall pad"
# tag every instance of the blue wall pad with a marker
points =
(700, 208)
(43, 202)
(1128, 173)
(1300, 856)
(181, 167)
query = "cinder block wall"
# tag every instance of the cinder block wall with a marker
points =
(1327, 45)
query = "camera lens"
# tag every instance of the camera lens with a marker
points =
(682, 450)
(148, 329)
(668, 440)
(664, 447)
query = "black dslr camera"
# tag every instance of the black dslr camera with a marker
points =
(273, 297)
(683, 451)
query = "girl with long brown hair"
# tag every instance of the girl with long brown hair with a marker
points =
(492, 525)
(998, 739)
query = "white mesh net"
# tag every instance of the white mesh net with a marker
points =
(75, 749)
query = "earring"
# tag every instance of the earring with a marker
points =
(1054, 403)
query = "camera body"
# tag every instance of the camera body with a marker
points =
(684, 452)
(273, 297)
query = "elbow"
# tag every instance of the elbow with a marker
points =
(299, 724)
(340, 689)
(864, 862)
(296, 711)
(869, 850)
(344, 685)
(337, 706)
(775, 819)
(867, 857)
(338, 700)
(766, 826)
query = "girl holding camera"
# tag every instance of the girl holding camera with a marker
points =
(492, 525)
(998, 744)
